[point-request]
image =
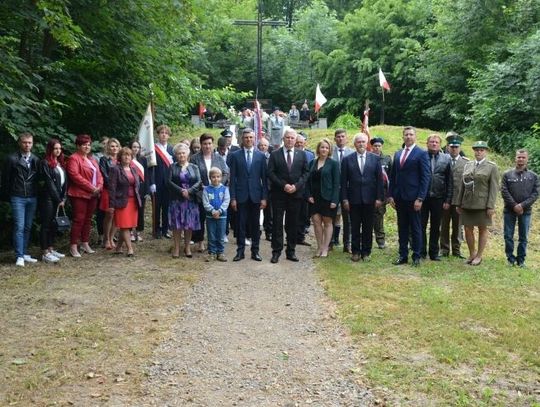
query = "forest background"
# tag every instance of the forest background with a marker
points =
(73, 66)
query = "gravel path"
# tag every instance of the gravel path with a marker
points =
(256, 334)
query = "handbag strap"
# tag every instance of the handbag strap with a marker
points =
(58, 209)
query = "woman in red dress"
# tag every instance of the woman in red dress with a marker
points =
(124, 198)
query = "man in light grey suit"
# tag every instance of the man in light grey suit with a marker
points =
(340, 152)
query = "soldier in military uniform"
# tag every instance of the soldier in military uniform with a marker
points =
(479, 188)
(386, 163)
(450, 215)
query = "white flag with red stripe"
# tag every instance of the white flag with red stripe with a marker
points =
(146, 137)
(319, 99)
(383, 83)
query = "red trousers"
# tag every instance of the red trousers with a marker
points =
(83, 209)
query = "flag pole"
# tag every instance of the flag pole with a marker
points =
(382, 107)
(153, 194)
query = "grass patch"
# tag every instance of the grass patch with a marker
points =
(445, 333)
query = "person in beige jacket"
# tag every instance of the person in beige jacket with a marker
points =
(479, 188)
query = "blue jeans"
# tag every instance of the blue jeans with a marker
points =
(23, 210)
(216, 234)
(524, 222)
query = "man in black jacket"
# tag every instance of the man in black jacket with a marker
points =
(438, 198)
(19, 187)
(287, 171)
(519, 189)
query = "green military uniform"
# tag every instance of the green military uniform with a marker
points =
(378, 222)
(479, 188)
(450, 215)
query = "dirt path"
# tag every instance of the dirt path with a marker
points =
(256, 334)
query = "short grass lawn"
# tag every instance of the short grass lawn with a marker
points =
(445, 333)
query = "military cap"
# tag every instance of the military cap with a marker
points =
(226, 133)
(376, 139)
(453, 139)
(480, 144)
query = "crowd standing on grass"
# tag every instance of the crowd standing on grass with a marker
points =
(440, 196)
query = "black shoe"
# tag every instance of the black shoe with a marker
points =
(256, 257)
(416, 263)
(347, 249)
(355, 257)
(292, 257)
(459, 256)
(269, 237)
(238, 257)
(304, 243)
(168, 235)
(382, 246)
(435, 258)
(275, 258)
(400, 260)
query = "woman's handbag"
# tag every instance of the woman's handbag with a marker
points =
(62, 222)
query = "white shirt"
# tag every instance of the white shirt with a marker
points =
(285, 154)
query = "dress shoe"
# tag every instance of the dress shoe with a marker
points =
(459, 256)
(416, 263)
(435, 258)
(304, 243)
(347, 249)
(256, 257)
(382, 246)
(269, 237)
(275, 258)
(221, 257)
(355, 257)
(238, 257)
(400, 260)
(292, 257)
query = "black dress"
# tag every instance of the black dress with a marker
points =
(321, 206)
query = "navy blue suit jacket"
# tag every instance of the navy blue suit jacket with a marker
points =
(361, 188)
(411, 181)
(247, 183)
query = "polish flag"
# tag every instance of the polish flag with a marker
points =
(383, 83)
(319, 99)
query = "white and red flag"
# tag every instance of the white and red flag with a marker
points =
(365, 124)
(383, 83)
(257, 122)
(319, 99)
(145, 135)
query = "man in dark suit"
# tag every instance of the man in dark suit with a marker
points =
(164, 159)
(362, 190)
(340, 152)
(288, 171)
(409, 183)
(249, 190)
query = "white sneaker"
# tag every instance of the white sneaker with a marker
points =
(49, 258)
(226, 240)
(58, 255)
(20, 262)
(29, 259)
(248, 242)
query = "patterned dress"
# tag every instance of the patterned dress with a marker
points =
(184, 213)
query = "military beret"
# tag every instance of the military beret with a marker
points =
(376, 140)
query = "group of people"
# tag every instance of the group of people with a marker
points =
(198, 186)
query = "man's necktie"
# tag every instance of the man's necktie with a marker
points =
(289, 160)
(340, 154)
(362, 163)
(404, 157)
(248, 161)
(453, 162)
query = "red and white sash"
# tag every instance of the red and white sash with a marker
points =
(164, 154)
(139, 168)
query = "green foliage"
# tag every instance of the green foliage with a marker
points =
(346, 121)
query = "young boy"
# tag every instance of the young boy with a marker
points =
(216, 200)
